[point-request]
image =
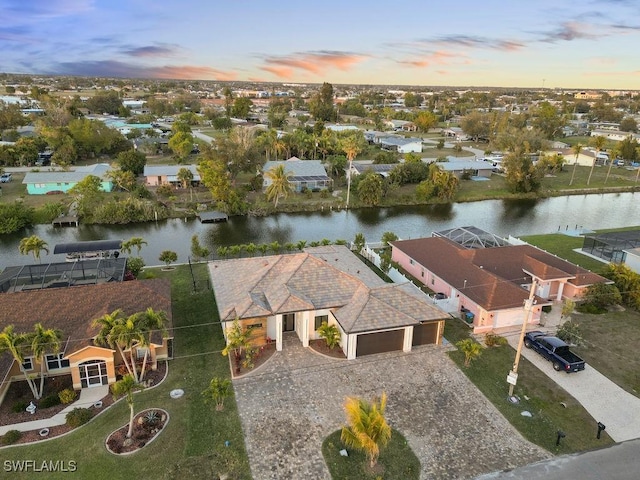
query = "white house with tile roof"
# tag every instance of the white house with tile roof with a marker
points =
(274, 295)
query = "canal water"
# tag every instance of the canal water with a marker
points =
(502, 217)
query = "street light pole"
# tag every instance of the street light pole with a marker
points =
(512, 378)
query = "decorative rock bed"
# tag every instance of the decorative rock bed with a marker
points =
(147, 425)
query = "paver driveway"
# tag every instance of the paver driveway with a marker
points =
(295, 400)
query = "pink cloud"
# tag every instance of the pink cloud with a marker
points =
(313, 62)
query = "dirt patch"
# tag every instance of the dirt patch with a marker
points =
(147, 425)
(320, 346)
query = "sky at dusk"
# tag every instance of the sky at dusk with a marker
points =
(540, 43)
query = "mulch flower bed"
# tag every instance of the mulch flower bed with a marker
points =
(320, 346)
(147, 425)
(265, 353)
(19, 391)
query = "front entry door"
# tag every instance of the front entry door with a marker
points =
(289, 322)
(93, 373)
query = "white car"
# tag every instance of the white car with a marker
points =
(5, 178)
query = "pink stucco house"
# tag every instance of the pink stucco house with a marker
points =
(492, 283)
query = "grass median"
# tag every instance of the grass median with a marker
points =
(192, 446)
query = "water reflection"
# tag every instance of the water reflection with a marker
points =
(518, 209)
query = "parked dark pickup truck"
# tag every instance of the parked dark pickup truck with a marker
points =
(554, 350)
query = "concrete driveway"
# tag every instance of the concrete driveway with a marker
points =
(294, 401)
(603, 399)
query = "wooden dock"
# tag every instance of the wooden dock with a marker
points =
(67, 221)
(212, 217)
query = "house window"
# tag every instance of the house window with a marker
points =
(254, 325)
(433, 282)
(411, 261)
(27, 364)
(422, 273)
(140, 351)
(56, 361)
(319, 320)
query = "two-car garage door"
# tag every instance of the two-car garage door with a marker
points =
(392, 340)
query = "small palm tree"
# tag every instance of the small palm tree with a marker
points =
(223, 252)
(126, 388)
(251, 249)
(263, 248)
(330, 333)
(33, 245)
(275, 247)
(150, 321)
(237, 342)
(168, 256)
(218, 389)
(471, 350)
(598, 143)
(367, 429)
(576, 149)
(136, 242)
(185, 176)
(289, 246)
(301, 244)
(235, 250)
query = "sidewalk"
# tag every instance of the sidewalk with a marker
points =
(88, 396)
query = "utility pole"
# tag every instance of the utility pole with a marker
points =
(512, 378)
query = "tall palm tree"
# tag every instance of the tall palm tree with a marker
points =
(598, 142)
(43, 341)
(576, 149)
(126, 387)
(615, 151)
(150, 321)
(367, 428)
(128, 333)
(280, 185)
(351, 145)
(185, 176)
(33, 245)
(107, 324)
(136, 242)
(15, 343)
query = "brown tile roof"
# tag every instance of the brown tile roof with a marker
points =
(492, 277)
(73, 309)
(322, 277)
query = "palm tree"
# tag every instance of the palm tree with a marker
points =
(218, 389)
(576, 149)
(235, 250)
(14, 343)
(43, 341)
(223, 251)
(251, 248)
(128, 333)
(598, 142)
(614, 156)
(263, 248)
(116, 331)
(137, 242)
(351, 145)
(367, 428)
(33, 245)
(301, 244)
(126, 387)
(275, 247)
(185, 176)
(280, 185)
(471, 350)
(149, 322)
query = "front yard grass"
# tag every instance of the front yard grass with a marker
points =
(193, 443)
(396, 460)
(609, 344)
(563, 246)
(538, 394)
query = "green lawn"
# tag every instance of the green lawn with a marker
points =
(610, 342)
(563, 246)
(538, 393)
(396, 461)
(193, 443)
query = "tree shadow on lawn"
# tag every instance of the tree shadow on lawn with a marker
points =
(396, 460)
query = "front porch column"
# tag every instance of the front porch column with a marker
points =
(351, 349)
(278, 333)
(408, 339)
(304, 331)
(560, 289)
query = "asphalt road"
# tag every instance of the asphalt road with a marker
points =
(619, 462)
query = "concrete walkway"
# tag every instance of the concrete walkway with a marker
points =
(605, 401)
(88, 396)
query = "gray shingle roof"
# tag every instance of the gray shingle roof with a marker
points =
(299, 168)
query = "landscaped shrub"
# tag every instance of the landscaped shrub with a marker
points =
(78, 416)
(19, 407)
(330, 333)
(590, 308)
(67, 396)
(493, 340)
(49, 401)
(570, 333)
(11, 437)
